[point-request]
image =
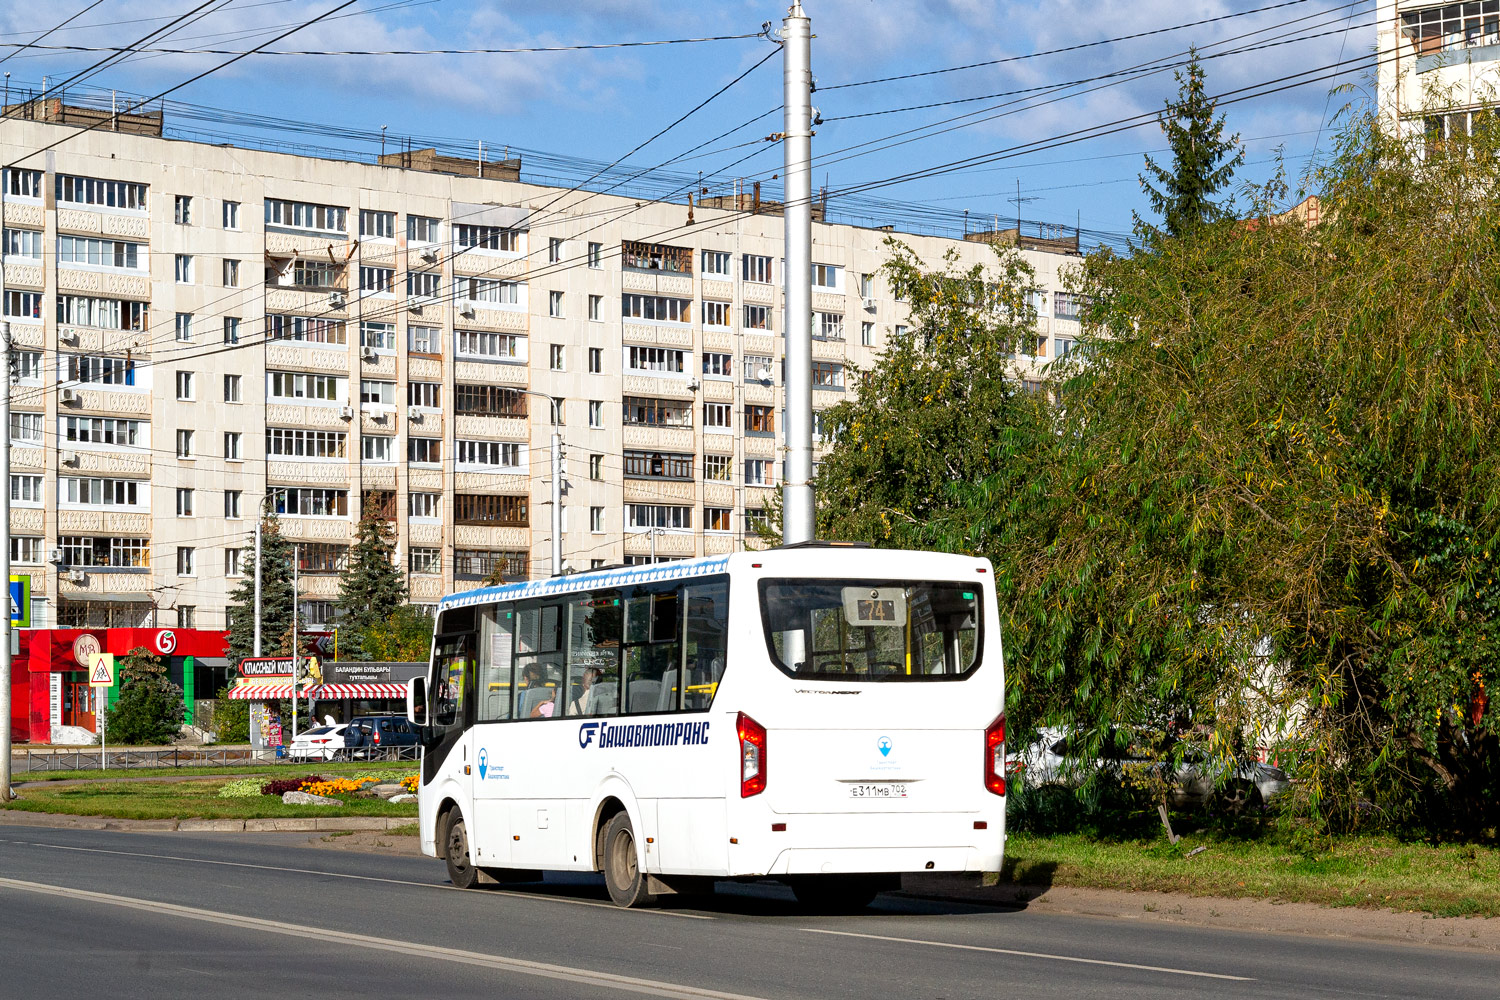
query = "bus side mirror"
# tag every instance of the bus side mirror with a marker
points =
(416, 701)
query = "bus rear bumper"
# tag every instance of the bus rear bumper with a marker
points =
(870, 860)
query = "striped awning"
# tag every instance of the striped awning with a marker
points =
(325, 692)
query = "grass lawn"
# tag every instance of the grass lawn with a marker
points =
(185, 800)
(271, 770)
(1450, 880)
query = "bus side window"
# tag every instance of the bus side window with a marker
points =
(593, 681)
(539, 660)
(453, 662)
(496, 636)
(706, 641)
(653, 651)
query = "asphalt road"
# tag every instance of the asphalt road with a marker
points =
(123, 915)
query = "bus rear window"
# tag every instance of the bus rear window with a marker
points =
(878, 630)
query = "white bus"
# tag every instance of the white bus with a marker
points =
(827, 716)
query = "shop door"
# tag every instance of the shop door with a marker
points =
(78, 704)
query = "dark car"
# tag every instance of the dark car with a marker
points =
(367, 735)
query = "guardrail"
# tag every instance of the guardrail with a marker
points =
(84, 759)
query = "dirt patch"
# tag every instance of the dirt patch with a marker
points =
(367, 842)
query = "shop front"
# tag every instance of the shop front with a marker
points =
(336, 690)
(50, 694)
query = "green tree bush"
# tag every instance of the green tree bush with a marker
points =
(403, 637)
(149, 710)
(372, 588)
(278, 604)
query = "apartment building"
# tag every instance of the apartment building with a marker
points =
(1436, 55)
(199, 327)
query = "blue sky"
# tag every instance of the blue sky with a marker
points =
(598, 104)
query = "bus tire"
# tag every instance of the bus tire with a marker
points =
(461, 871)
(835, 893)
(622, 873)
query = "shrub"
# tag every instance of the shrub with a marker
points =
(280, 786)
(241, 788)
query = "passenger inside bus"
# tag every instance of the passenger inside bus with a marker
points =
(540, 697)
(580, 704)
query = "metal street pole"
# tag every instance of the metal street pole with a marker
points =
(556, 495)
(258, 523)
(296, 616)
(5, 735)
(797, 523)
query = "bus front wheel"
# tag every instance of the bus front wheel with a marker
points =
(461, 871)
(622, 871)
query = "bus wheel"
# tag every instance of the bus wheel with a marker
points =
(835, 893)
(461, 872)
(622, 873)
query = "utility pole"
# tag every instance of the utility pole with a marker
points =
(5, 795)
(296, 614)
(797, 521)
(258, 523)
(557, 467)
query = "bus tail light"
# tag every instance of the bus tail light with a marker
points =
(994, 755)
(752, 756)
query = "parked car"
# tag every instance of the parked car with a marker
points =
(369, 733)
(321, 743)
(1045, 762)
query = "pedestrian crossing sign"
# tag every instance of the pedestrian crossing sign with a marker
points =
(102, 670)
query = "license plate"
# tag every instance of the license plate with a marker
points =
(878, 790)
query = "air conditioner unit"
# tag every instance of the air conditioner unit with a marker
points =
(347, 412)
(68, 397)
(414, 413)
(466, 310)
(430, 255)
(869, 304)
(380, 416)
(336, 300)
(77, 576)
(414, 307)
(764, 375)
(71, 458)
(55, 555)
(369, 355)
(693, 384)
(69, 337)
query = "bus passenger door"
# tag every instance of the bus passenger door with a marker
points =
(493, 761)
(447, 763)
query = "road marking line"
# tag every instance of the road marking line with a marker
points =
(508, 894)
(545, 970)
(1035, 954)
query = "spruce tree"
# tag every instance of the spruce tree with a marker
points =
(277, 601)
(1203, 160)
(372, 587)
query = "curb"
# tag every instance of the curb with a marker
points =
(301, 824)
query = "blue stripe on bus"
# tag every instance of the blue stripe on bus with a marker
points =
(623, 577)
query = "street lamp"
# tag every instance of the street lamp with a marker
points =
(557, 456)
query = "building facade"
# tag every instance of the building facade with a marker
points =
(1437, 55)
(199, 327)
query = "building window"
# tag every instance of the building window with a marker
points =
(27, 243)
(304, 215)
(426, 561)
(25, 550)
(424, 451)
(232, 441)
(475, 508)
(120, 553)
(319, 612)
(717, 468)
(109, 314)
(554, 250)
(756, 269)
(231, 215)
(231, 273)
(828, 277)
(376, 448)
(596, 520)
(106, 430)
(234, 562)
(867, 334)
(656, 360)
(185, 386)
(867, 286)
(828, 326)
(596, 467)
(186, 616)
(655, 465)
(596, 360)
(316, 274)
(423, 284)
(22, 183)
(760, 472)
(717, 416)
(84, 492)
(1066, 305)
(374, 393)
(232, 388)
(658, 308)
(425, 505)
(288, 442)
(297, 385)
(182, 210)
(487, 290)
(757, 318)
(596, 414)
(377, 279)
(377, 336)
(232, 500)
(488, 455)
(310, 501)
(26, 490)
(322, 558)
(424, 394)
(651, 515)
(760, 419)
(596, 308)
(657, 257)
(555, 357)
(100, 370)
(231, 329)
(422, 229)
(900, 331)
(717, 518)
(184, 503)
(377, 225)
(91, 190)
(23, 305)
(480, 564)
(488, 401)
(827, 375)
(183, 325)
(489, 346)
(184, 444)
(596, 255)
(487, 238)
(79, 250)
(657, 412)
(716, 262)
(184, 269)
(716, 314)
(185, 561)
(424, 340)
(718, 365)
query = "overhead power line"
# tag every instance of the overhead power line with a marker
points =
(58, 26)
(394, 52)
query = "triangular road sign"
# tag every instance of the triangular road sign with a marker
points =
(102, 670)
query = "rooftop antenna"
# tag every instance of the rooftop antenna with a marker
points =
(1018, 200)
(382, 141)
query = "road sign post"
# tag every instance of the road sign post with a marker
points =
(101, 679)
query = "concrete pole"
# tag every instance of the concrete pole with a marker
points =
(296, 618)
(797, 521)
(5, 735)
(257, 586)
(556, 493)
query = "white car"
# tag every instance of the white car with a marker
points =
(320, 743)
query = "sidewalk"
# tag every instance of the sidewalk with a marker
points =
(308, 824)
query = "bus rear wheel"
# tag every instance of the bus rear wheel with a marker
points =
(622, 870)
(461, 871)
(836, 893)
